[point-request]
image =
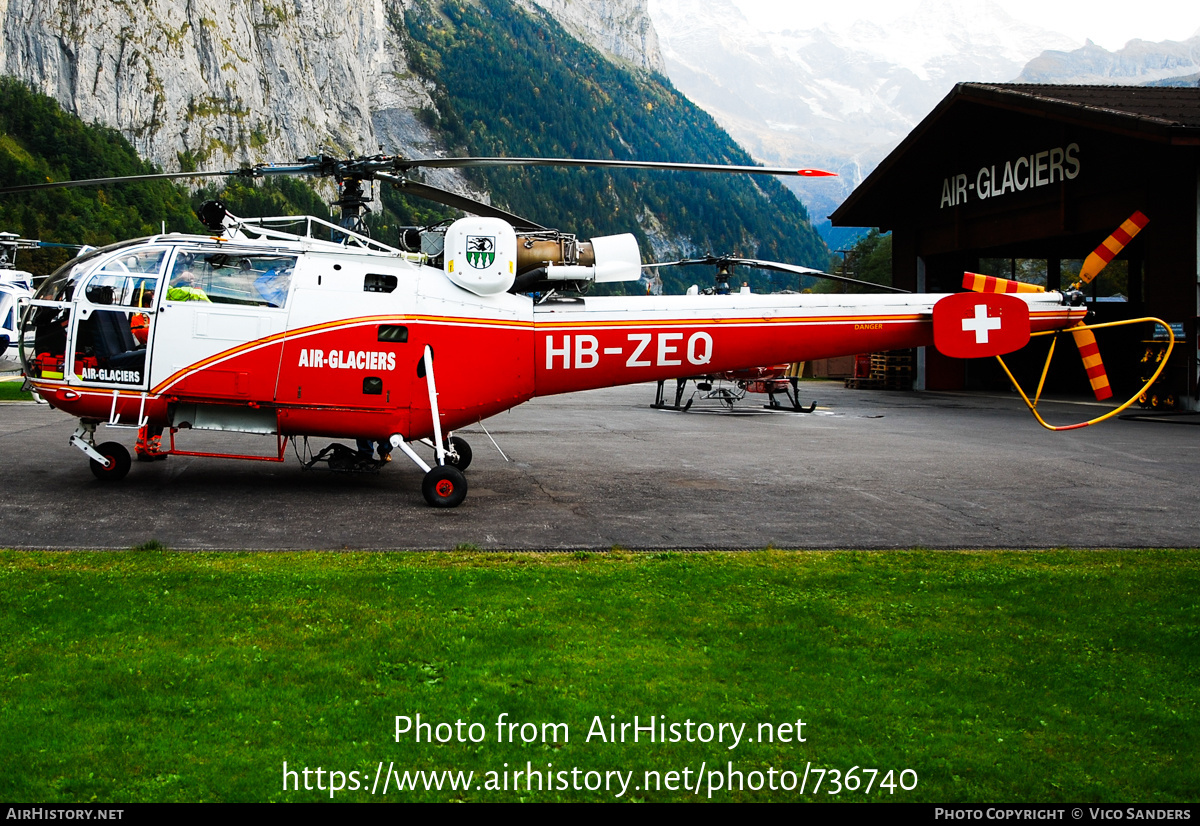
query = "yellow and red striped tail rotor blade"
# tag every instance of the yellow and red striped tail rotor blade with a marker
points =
(989, 284)
(1112, 246)
(1085, 340)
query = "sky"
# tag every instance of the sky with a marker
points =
(1109, 23)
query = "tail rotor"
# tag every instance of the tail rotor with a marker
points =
(1084, 338)
(1111, 247)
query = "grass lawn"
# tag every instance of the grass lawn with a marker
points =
(149, 675)
(10, 391)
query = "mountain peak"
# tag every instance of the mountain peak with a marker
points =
(1140, 62)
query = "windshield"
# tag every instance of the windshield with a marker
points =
(61, 284)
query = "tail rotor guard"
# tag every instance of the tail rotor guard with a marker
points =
(1087, 345)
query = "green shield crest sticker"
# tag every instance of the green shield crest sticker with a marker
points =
(481, 251)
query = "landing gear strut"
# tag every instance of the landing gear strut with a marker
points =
(444, 485)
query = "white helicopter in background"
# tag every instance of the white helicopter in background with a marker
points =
(16, 286)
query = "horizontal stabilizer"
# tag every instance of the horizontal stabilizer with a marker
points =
(975, 282)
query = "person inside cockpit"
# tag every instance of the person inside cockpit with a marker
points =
(183, 286)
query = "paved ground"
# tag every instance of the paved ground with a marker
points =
(869, 469)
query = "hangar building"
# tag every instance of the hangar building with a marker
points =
(1022, 180)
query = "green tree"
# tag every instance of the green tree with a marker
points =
(40, 142)
(870, 259)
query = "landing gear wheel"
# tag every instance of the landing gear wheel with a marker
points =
(463, 450)
(444, 487)
(116, 453)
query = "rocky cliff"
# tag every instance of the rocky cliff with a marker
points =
(619, 28)
(209, 84)
(217, 82)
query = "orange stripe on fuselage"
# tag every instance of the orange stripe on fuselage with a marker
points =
(755, 321)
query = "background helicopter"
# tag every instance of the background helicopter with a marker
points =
(729, 387)
(14, 285)
(260, 330)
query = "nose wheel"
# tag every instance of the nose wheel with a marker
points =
(444, 487)
(118, 462)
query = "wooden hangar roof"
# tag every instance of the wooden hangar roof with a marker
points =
(1161, 115)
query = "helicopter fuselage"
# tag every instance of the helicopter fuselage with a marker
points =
(340, 353)
(315, 338)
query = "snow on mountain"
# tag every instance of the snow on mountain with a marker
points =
(837, 98)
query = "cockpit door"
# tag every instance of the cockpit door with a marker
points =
(112, 328)
(221, 319)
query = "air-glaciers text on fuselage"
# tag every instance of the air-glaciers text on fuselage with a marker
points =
(110, 376)
(348, 359)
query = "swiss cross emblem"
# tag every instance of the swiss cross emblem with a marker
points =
(974, 325)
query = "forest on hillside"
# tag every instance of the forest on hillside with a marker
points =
(40, 142)
(511, 82)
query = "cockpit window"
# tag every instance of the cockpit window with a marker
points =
(254, 279)
(121, 290)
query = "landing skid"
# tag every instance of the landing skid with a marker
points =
(660, 404)
(727, 397)
(792, 394)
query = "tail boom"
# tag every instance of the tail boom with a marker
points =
(600, 342)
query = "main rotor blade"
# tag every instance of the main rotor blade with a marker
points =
(452, 199)
(376, 167)
(161, 176)
(777, 266)
(462, 163)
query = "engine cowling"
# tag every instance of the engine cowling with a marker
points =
(481, 255)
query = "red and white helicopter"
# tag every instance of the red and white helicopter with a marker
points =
(263, 329)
